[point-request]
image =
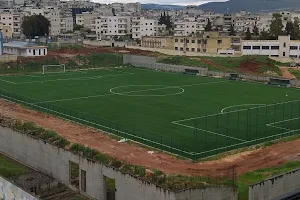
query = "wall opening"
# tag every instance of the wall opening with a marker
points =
(74, 174)
(110, 185)
(83, 181)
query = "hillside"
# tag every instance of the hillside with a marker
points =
(161, 7)
(251, 6)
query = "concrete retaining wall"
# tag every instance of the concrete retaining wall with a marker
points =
(9, 191)
(55, 162)
(275, 187)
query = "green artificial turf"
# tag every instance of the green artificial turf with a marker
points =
(161, 109)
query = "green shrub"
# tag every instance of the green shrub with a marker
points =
(49, 136)
(116, 163)
(157, 172)
(62, 143)
(76, 148)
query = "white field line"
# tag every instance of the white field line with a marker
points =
(271, 136)
(268, 105)
(76, 98)
(162, 144)
(101, 126)
(113, 93)
(215, 133)
(241, 105)
(286, 129)
(82, 78)
(8, 81)
(62, 74)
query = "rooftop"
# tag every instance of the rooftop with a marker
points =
(18, 44)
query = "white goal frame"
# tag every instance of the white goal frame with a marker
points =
(62, 65)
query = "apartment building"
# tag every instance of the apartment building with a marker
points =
(14, 21)
(66, 23)
(126, 7)
(282, 47)
(6, 31)
(110, 26)
(210, 43)
(86, 19)
(145, 27)
(189, 26)
(52, 14)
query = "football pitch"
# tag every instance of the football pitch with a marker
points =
(191, 116)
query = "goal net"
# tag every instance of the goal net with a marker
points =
(54, 69)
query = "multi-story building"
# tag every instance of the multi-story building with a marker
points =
(52, 14)
(283, 47)
(145, 27)
(6, 3)
(6, 31)
(86, 19)
(14, 21)
(209, 43)
(189, 26)
(110, 26)
(66, 23)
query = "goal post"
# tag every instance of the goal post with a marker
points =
(53, 69)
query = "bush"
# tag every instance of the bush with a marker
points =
(116, 163)
(49, 136)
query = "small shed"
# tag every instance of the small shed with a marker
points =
(25, 49)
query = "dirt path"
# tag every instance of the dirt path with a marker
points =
(286, 73)
(129, 153)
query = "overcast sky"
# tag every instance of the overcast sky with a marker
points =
(172, 2)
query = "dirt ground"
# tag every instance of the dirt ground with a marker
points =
(286, 73)
(134, 154)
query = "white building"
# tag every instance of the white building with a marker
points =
(283, 47)
(52, 14)
(189, 26)
(110, 26)
(24, 49)
(144, 27)
(14, 20)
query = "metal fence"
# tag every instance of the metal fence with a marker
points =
(213, 134)
(151, 63)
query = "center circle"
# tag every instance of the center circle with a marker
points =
(133, 90)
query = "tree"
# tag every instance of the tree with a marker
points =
(255, 30)
(276, 26)
(264, 35)
(77, 27)
(208, 26)
(289, 28)
(35, 25)
(295, 34)
(232, 31)
(166, 20)
(248, 34)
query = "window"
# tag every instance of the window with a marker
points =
(187, 41)
(293, 47)
(193, 49)
(187, 49)
(283, 54)
(199, 41)
(284, 44)
(34, 52)
(204, 50)
(246, 47)
(181, 48)
(198, 49)
(39, 51)
(193, 41)
(265, 47)
(181, 40)
(29, 50)
(176, 40)
(256, 47)
(176, 48)
(219, 41)
(274, 47)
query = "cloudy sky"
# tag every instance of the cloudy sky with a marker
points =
(172, 2)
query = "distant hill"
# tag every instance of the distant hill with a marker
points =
(161, 7)
(251, 5)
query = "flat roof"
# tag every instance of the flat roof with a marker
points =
(17, 44)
